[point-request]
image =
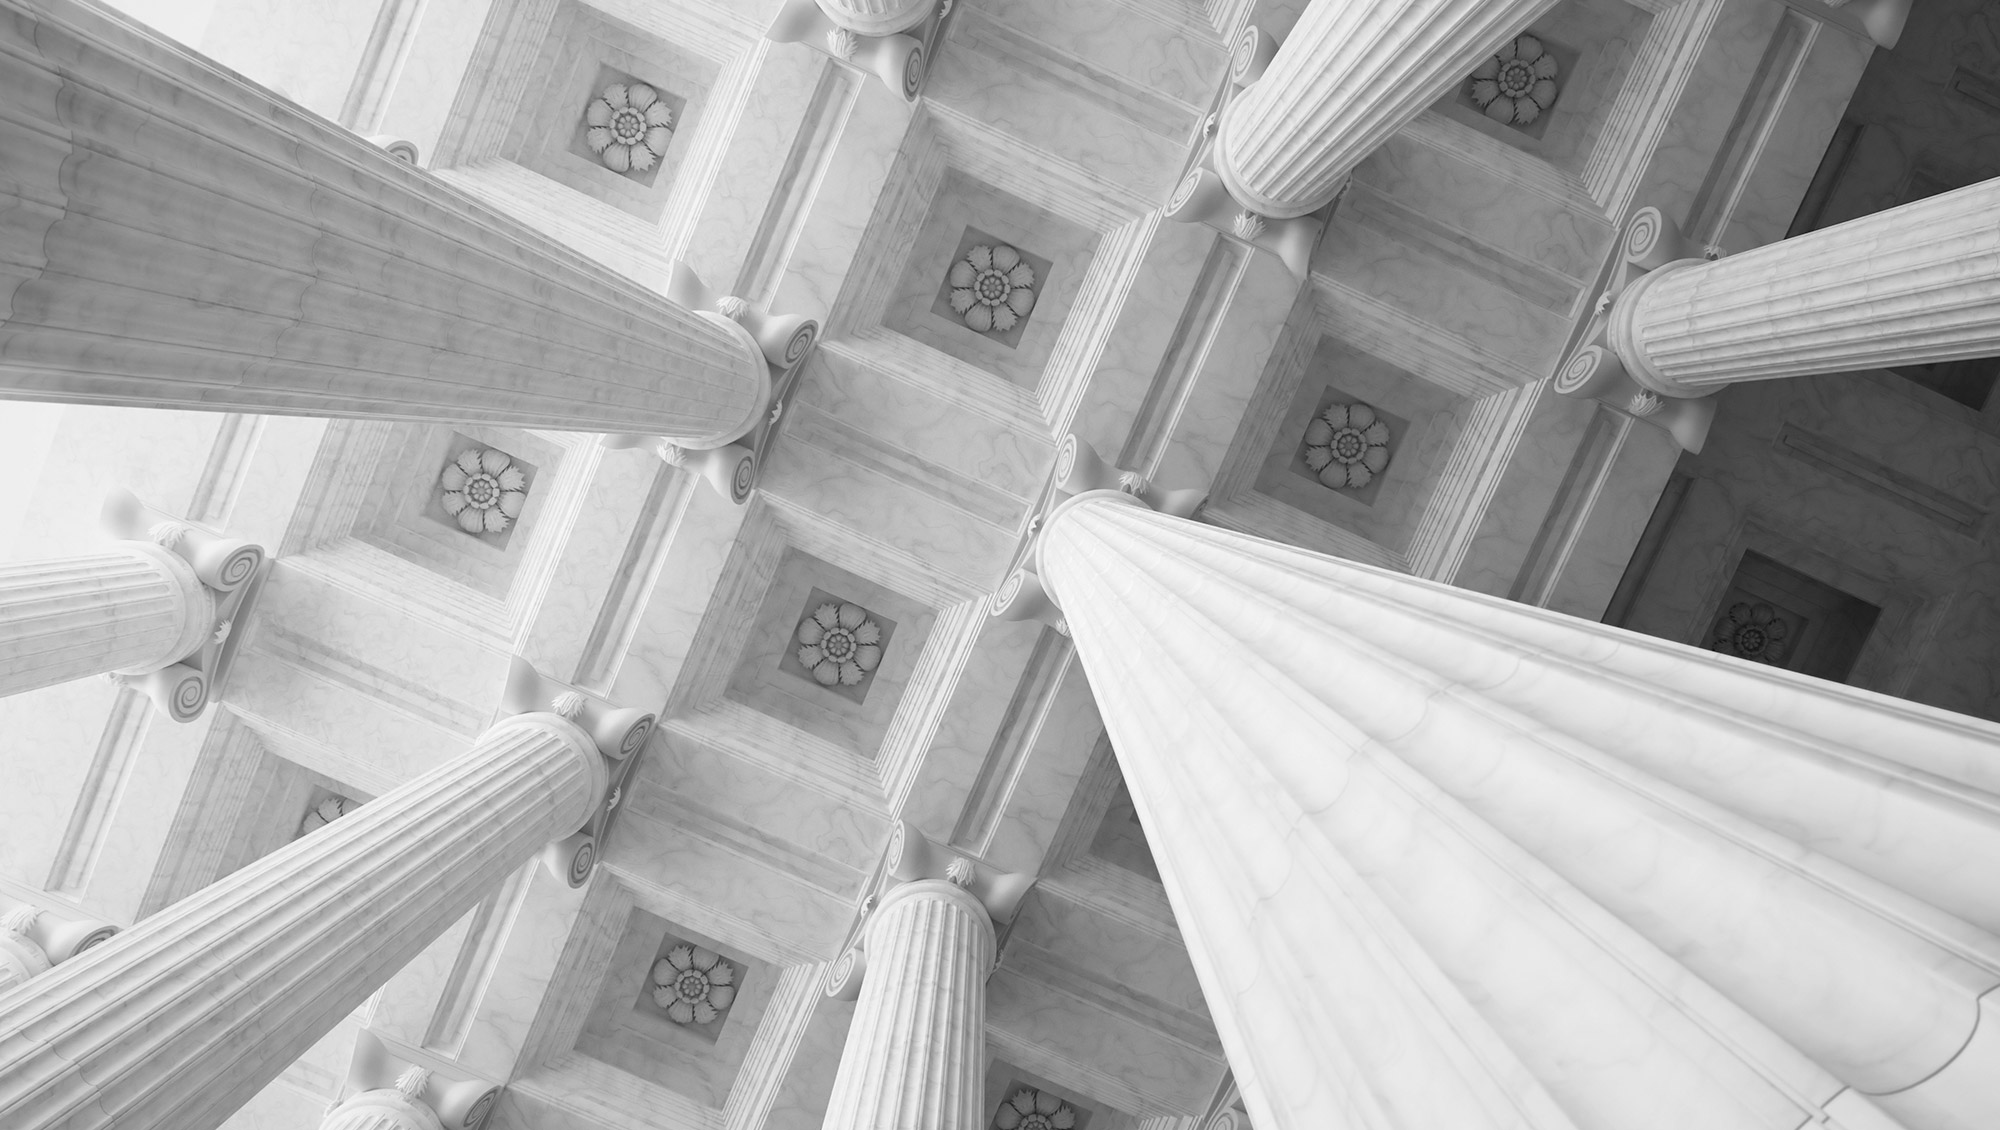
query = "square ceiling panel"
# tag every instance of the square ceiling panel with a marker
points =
(589, 58)
(852, 711)
(952, 291)
(1414, 422)
(1517, 86)
(1551, 90)
(676, 1009)
(406, 506)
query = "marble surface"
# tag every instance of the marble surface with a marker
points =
(1915, 133)
(1423, 861)
(1604, 34)
(582, 43)
(805, 187)
(527, 782)
(1932, 582)
(297, 309)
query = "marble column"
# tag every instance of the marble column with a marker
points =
(1911, 285)
(1346, 77)
(915, 1056)
(1445, 860)
(177, 1021)
(877, 17)
(177, 237)
(33, 941)
(133, 609)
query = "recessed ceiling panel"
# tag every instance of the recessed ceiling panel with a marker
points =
(676, 1009)
(991, 279)
(862, 640)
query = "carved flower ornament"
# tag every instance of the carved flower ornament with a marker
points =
(629, 127)
(1753, 631)
(329, 809)
(1034, 1110)
(1518, 83)
(1347, 445)
(992, 288)
(838, 643)
(483, 490)
(694, 985)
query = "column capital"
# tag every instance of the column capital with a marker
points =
(1621, 332)
(1911, 285)
(934, 890)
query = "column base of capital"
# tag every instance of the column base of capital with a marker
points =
(1202, 197)
(900, 60)
(1621, 333)
(460, 1100)
(1273, 207)
(1595, 372)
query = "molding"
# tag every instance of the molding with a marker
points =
(381, 67)
(1542, 287)
(1771, 87)
(749, 841)
(1654, 85)
(1114, 270)
(222, 476)
(1019, 731)
(1879, 479)
(805, 168)
(1575, 501)
(103, 784)
(1189, 1029)
(478, 959)
(1088, 801)
(768, 1064)
(1209, 304)
(638, 574)
(1472, 476)
(205, 820)
(926, 698)
(1438, 356)
(504, 56)
(1147, 109)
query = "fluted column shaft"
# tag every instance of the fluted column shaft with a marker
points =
(131, 609)
(176, 1022)
(1912, 285)
(179, 238)
(1347, 77)
(1445, 860)
(916, 1052)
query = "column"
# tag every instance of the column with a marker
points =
(132, 609)
(916, 1052)
(877, 17)
(179, 238)
(1345, 78)
(177, 1021)
(32, 941)
(1445, 860)
(1911, 285)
